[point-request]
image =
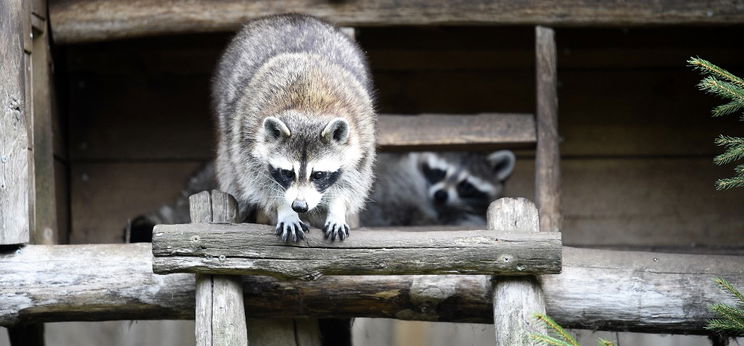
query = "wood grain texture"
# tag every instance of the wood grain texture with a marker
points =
(220, 317)
(515, 300)
(449, 132)
(547, 155)
(254, 249)
(81, 20)
(46, 228)
(14, 139)
(597, 289)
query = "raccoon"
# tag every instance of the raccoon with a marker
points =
(295, 123)
(436, 188)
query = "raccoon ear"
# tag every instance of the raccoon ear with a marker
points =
(502, 163)
(337, 131)
(275, 128)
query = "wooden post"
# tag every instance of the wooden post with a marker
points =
(44, 206)
(515, 299)
(14, 140)
(287, 331)
(547, 156)
(220, 315)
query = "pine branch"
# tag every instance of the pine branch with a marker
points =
(725, 90)
(730, 318)
(729, 183)
(603, 342)
(730, 289)
(731, 107)
(548, 340)
(732, 153)
(706, 67)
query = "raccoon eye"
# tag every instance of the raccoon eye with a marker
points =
(287, 174)
(467, 190)
(434, 175)
(319, 175)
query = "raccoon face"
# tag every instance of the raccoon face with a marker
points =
(468, 184)
(304, 156)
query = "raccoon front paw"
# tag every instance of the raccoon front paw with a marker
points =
(293, 230)
(333, 229)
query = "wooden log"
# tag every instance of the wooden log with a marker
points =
(597, 289)
(515, 300)
(448, 132)
(254, 249)
(220, 313)
(96, 20)
(547, 155)
(14, 140)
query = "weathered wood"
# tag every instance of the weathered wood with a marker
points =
(220, 314)
(86, 20)
(14, 142)
(105, 196)
(547, 155)
(254, 249)
(443, 132)
(45, 229)
(597, 289)
(515, 300)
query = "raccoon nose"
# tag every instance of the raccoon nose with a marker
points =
(440, 196)
(299, 206)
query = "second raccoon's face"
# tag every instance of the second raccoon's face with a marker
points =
(457, 186)
(305, 157)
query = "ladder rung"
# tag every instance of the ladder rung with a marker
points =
(455, 132)
(254, 249)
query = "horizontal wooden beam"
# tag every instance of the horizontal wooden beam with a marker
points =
(597, 289)
(455, 132)
(98, 20)
(255, 250)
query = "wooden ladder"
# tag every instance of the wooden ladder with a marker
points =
(218, 254)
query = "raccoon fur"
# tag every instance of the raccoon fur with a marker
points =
(427, 188)
(295, 124)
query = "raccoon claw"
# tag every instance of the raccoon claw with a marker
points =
(292, 230)
(332, 229)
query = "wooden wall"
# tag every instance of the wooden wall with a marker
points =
(637, 135)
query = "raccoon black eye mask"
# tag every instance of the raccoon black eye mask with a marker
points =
(295, 124)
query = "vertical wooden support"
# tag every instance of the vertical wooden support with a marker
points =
(547, 156)
(284, 332)
(220, 315)
(44, 206)
(14, 140)
(515, 299)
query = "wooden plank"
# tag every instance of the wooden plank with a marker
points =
(220, 317)
(641, 291)
(81, 20)
(14, 142)
(547, 155)
(667, 204)
(104, 197)
(254, 249)
(515, 300)
(45, 229)
(448, 132)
